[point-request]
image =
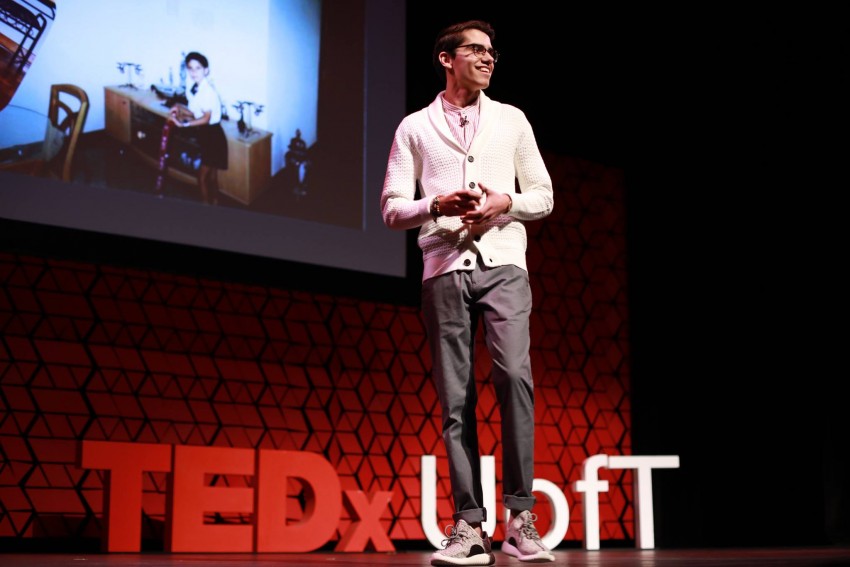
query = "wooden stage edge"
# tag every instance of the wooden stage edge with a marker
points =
(795, 557)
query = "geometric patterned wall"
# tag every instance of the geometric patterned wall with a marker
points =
(95, 352)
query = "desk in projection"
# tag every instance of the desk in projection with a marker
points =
(136, 117)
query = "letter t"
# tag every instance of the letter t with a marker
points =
(122, 495)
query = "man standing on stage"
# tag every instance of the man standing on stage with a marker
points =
(466, 153)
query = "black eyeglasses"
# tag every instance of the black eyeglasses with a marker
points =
(479, 50)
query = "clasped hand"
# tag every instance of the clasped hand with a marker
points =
(179, 115)
(472, 206)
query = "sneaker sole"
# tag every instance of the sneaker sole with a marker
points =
(480, 559)
(539, 557)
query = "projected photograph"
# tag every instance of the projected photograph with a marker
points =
(280, 153)
(124, 66)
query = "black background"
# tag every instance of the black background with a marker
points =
(720, 120)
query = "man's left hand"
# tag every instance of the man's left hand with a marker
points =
(495, 204)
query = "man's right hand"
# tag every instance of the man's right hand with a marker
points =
(459, 202)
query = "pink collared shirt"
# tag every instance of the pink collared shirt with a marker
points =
(463, 122)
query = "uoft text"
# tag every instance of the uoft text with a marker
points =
(189, 497)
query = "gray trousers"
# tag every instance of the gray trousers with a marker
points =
(452, 305)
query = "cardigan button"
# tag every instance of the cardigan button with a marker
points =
(467, 262)
(472, 184)
(470, 159)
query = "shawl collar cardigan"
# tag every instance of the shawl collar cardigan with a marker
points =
(503, 156)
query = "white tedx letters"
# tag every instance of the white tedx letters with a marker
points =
(590, 486)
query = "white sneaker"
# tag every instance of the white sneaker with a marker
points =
(464, 547)
(523, 542)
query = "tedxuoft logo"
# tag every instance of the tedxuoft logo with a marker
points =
(189, 497)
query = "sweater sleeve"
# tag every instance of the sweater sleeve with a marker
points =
(399, 206)
(536, 197)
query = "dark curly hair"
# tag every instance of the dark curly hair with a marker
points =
(194, 55)
(451, 37)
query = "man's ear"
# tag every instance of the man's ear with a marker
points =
(445, 59)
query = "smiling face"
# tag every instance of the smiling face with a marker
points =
(468, 71)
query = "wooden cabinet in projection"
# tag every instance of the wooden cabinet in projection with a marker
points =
(136, 117)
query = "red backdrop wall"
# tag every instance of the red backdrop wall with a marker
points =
(100, 352)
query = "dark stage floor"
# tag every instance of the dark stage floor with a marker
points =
(830, 556)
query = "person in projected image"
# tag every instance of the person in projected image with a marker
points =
(203, 112)
(465, 151)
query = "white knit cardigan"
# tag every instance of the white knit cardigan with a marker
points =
(504, 151)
